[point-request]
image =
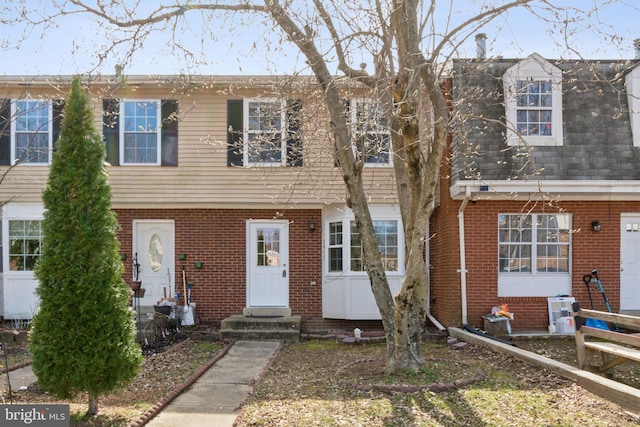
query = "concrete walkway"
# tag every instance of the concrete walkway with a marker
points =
(19, 378)
(215, 397)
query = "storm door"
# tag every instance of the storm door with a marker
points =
(153, 257)
(268, 269)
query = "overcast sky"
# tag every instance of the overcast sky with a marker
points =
(71, 46)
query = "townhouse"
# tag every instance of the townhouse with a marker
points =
(229, 179)
(233, 181)
(542, 187)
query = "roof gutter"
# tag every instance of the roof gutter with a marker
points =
(463, 260)
(608, 190)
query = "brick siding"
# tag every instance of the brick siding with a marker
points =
(589, 250)
(217, 238)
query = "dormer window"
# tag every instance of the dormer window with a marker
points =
(534, 107)
(533, 101)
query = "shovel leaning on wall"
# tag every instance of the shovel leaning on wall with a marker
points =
(187, 311)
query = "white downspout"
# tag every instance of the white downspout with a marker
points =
(463, 261)
(429, 315)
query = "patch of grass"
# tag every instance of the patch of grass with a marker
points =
(318, 345)
(322, 383)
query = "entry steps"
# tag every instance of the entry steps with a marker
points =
(262, 324)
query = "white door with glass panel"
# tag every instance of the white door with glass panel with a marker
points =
(268, 264)
(629, 262)
(153, 255)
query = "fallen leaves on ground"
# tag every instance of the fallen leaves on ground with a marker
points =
(160, 374)
(317, 383)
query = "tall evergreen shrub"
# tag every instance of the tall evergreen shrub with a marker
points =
(83, 336)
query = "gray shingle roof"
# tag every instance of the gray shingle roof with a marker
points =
(597, 143)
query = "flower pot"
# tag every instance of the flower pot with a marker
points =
(135, 285)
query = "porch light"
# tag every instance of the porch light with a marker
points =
(596, 226)
(312, 226)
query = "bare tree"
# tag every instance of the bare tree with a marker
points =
(408, 42)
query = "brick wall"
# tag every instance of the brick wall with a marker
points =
(589, 250)
(217, 238)
(445, 256)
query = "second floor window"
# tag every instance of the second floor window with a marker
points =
(141, 131)
(533, 103)
(534, 107)
(31, 131)
(264, 131)
(370, 132)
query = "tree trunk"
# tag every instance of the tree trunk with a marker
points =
(93, 405)
(411, 301)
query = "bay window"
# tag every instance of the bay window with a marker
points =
(345, 252)
(335, 246)
(346, 287)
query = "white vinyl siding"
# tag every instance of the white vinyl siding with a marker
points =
(202, 177)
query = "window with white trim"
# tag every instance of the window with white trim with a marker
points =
(335, 246)
(534, 243)
(533, 102)
(372, 137)
(25, 244)
(140, 135)
(534, 107)
(345, 244)
(264, 127)
(31, 131)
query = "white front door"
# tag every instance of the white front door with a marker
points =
(629, 262)
(268, 264)
(153, 252)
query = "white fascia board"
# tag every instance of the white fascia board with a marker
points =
(607, 190)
